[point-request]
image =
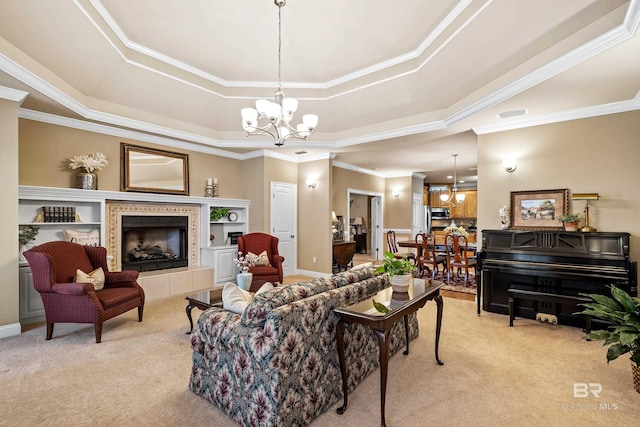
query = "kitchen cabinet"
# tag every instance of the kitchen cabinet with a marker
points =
(471, 204)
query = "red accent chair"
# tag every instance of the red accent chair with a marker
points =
(256, 243)
(53, 266)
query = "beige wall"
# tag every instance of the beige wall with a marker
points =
(253, 188)
(314, 217)
(398, 211)
(9, 289)
(45, 150)
(597, 154)
(343, 179)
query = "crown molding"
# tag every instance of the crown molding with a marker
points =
(357, 169)
(14, 95)
(598, 45)
(578, 113)
(455, 12)
(606, 41)
(122, 133)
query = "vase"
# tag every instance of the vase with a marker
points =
(244, 280)
(87, 180)
(21, 251)
(570, 226)
(400, 283)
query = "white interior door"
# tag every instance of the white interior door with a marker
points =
(284, 214)
(418, 214)
(376, 227)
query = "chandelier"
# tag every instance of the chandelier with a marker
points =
(274, 118)
(453, 198)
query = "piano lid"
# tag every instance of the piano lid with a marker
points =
(557, 243)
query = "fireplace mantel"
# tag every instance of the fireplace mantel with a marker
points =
(93, 209)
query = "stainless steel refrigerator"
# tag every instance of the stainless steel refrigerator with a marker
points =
(427, 219)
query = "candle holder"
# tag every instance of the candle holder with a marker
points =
(209, 191)
(214, 190)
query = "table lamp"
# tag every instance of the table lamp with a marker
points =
(587, 197)
(357, 221)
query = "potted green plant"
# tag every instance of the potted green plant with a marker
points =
(218, 213)
(570, 221)
(26, 235)
(399, 269)
(623, 336)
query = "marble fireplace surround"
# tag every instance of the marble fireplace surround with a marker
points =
(115, 210)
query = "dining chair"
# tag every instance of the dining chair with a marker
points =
(393, 247)
(430, 258)
(457, 248)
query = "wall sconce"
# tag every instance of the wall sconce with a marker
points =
(509, 165)
(396, 192)
(311, 183)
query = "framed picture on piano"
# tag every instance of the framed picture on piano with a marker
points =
(538, 210)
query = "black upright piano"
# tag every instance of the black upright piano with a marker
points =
(558, 262)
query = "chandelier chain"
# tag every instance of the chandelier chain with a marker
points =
(279, 47)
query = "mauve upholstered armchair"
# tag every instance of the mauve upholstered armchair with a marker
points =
(256, 243)
(53, 266)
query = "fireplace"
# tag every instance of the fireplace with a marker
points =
(152, 242)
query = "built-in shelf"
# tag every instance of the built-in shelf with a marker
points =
(91, 208)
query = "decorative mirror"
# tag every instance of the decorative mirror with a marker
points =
(149, 170)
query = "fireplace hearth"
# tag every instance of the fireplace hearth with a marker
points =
(152, 242)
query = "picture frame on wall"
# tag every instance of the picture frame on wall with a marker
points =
(538, 210)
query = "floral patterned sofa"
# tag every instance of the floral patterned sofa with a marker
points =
(277, 363)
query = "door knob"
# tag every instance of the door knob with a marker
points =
(292, 236)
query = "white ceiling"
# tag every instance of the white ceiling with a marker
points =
(398, 86)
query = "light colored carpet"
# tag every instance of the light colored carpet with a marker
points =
(493, 375)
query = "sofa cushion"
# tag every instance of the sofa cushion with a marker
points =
(261, 305)
(351, 276)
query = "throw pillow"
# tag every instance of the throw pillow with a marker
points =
(96, 278)
(235, 299)
(91, 238)
(266, 287)
(261, 260)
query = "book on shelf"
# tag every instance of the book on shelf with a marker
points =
(58, 214)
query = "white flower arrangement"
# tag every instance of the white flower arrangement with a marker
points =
(244, 262)
(90, 162)
(456, 230)
(504, 213)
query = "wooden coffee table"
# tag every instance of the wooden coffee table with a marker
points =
(401, 306)
(203, 300)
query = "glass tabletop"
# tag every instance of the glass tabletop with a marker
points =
(213, 297)
(418, 288)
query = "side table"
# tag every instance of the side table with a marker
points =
(203, 300)
(401, 306)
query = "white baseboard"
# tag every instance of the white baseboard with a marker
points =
(10, 330)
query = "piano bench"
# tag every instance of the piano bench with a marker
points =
(517, 294)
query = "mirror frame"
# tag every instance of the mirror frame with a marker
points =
(128, 180)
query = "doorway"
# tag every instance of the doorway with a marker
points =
(368, 206)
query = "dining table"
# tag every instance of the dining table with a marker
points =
(440, 247)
